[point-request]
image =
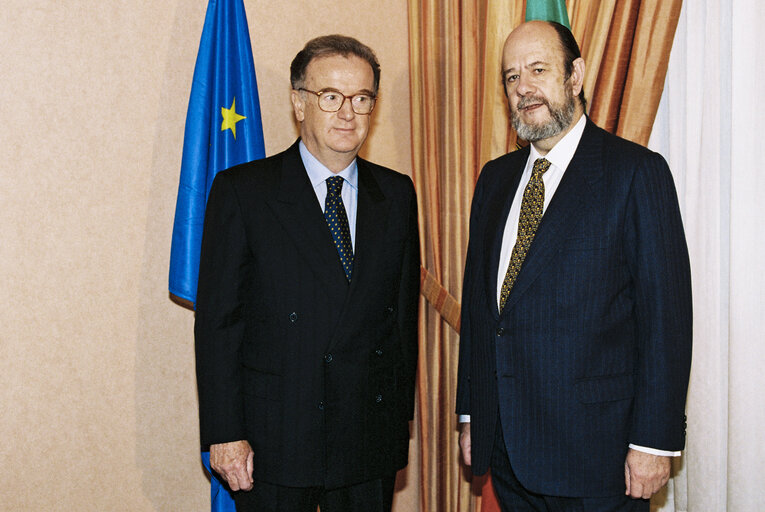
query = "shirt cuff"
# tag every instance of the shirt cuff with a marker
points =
(654, 451)
(463, 418)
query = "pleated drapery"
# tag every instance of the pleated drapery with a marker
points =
(459, 121)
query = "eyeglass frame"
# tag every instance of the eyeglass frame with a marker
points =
(324, 91)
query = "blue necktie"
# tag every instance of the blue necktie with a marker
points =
(334, 212)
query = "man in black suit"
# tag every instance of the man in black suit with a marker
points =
(306, 314)
(575, 347)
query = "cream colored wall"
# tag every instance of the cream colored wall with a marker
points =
(97, 389)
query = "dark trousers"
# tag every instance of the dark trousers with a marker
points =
(372, 496)
(513, 497)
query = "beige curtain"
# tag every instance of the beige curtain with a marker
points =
(709, 127)
(459, 121)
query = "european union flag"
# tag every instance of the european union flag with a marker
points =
(223, 129)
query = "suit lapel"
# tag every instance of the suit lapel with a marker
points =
(496, 218)
(369, 247)
(301, 216)
(303, 219)
(564, 211)
(371, 214)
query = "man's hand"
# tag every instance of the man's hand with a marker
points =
(233, 461)
(645, 474)
(465, 442)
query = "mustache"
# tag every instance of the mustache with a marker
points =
(531, 100)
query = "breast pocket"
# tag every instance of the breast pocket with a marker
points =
(589, 243)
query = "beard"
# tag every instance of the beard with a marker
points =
(561, 115)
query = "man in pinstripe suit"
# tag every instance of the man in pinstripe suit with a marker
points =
(576, 319)
(306, 314)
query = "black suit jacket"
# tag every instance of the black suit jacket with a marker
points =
(592, 350)
(317, 374)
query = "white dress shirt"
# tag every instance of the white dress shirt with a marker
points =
(559, 157)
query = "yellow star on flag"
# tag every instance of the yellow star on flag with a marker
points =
(230, 118)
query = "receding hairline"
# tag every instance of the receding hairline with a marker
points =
(535, 25)
(552, 33)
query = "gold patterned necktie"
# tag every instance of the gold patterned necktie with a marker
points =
(334, 212)
(532, 206)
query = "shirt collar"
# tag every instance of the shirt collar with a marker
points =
(318, 172)
(562, 153)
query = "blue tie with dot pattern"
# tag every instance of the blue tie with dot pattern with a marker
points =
(334, 212)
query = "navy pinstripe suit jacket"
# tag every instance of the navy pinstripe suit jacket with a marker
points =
(592, 350)
(318, 375)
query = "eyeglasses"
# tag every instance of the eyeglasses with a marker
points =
(332, 101)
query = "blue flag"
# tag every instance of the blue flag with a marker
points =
(220, 499)
(223, 129)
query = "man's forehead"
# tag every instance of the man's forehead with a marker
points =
(338, 67)
(337, 61)
(529, 49)
(530, 58)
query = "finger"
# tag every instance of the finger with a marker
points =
(637, 490)
(245, 482)
(230, 473)
(232, 480)
(465, 448)
(627, 478)
(250, 465)
(651, 485)
(656, 487)
(242, 479)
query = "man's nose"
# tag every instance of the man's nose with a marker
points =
(346, 110)
(524, 85)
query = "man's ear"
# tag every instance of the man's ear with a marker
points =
(298, 105)
(577, 76)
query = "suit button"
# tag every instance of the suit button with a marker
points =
(328, 358)
(378, 398)
(501, 331)
(378, 352)
(391, 309)
(321, 406)
(293, 317)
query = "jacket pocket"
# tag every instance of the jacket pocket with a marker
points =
(262, 384)
(607, 388)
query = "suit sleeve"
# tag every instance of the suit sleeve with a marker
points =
(471, 260)
(658, 261)
(220, 323)
(408, 302)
